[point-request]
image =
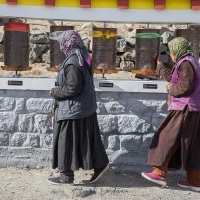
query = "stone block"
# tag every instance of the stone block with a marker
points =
(25, 123)
(39, 105)
(113, 143)
(139, 107)
(17, 139)
(3, 156)
(130, 143)
(107, 123)
(157, 118)
(156, 105)
(167, 36)
(127, 65)
(46, 140)
(41, 123)
(146, 142)
(121, 45)
(27, 157)
(111, 96)
(32, 140)
(6, 103)
(40, 38)
(19, 105)
(101, 109)
(115, 107)
(4, 139)
(129, 124)
(7, 121)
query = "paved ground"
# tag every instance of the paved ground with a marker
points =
(23, 184)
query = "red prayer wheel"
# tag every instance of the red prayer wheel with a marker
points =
(16, 44)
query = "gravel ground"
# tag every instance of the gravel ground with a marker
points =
(31, 184)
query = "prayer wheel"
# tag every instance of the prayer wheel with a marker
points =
(104, 48)
(56, 55)
(192, 36)
(16, 44)
(147, 49)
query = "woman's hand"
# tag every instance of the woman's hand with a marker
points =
(167, 87)
(159, 59)
(50, 92)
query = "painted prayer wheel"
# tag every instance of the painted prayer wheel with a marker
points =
(16, 44)
(192, 36)
(104, 48)
(147, 49)
(56, 55)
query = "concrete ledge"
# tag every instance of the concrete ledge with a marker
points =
(100, 85)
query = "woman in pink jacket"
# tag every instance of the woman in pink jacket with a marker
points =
(176, 143)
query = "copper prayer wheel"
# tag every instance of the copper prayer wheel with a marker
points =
(192, 36)
(16, 44)
(104, 48)
(56, 55)
(147, 49)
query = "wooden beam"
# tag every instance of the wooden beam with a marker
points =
(11, 2)
(50, 3)
(85, 3)
(160, 4)
(195, 5)
(123, 4)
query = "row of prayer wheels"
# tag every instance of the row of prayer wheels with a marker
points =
(16, 47)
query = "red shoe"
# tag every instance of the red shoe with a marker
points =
(185, 184)
(154, 178)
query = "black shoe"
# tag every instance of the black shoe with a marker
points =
(58, 180)
(98, 173)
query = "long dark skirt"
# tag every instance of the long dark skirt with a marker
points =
(77, 144)
(178, 125)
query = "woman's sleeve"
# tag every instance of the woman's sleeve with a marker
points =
(187, 80)
(164, 71)
(73, 84)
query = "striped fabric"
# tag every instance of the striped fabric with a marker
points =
(85, 3)
(50, 3)
(195, 5)
(160, 4)
(11, 2)
(123, 4)
(120, 4)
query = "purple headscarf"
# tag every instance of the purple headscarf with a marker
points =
(71, 43)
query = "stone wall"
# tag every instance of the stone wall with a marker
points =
(127, 122)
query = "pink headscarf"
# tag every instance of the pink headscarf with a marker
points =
(71, 43)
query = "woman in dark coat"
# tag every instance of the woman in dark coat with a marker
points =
(176, 143)
(76, 136)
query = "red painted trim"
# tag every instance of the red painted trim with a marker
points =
(85, 3)
(15, 26)
(195, 5)
(11, 2)
(123, 4)
(50, 3)
(160, 4)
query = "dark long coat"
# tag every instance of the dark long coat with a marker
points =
(178, 125)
